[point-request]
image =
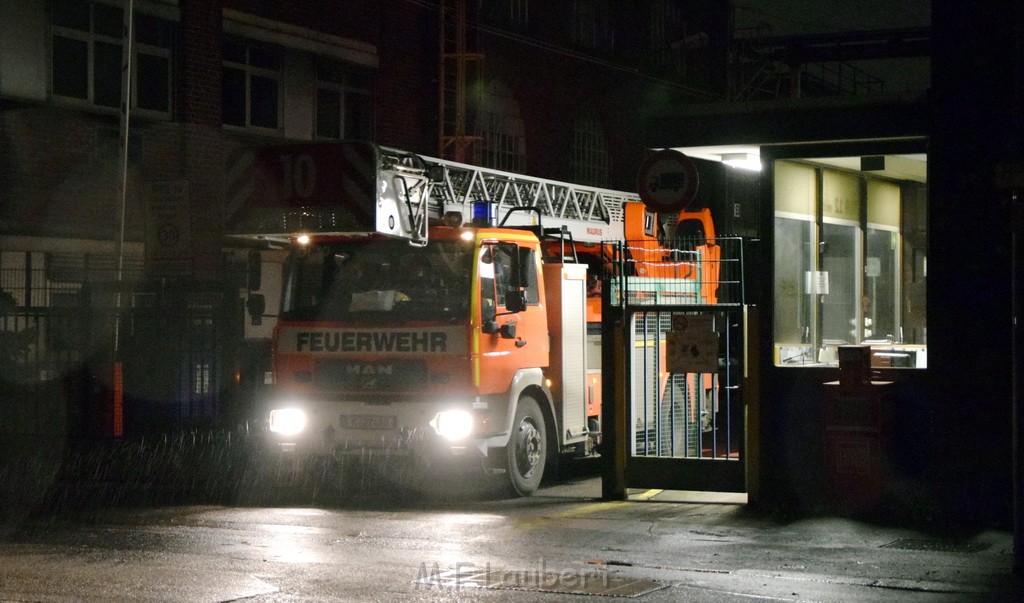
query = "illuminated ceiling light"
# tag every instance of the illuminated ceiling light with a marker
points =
(743, 161)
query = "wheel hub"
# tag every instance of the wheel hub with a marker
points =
(530, 446)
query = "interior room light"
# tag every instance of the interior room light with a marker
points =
(743, 161)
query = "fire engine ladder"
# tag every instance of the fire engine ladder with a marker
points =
(589, 214)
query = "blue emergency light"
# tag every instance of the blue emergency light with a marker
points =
(485, 213)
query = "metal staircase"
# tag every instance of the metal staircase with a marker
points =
(767, 67)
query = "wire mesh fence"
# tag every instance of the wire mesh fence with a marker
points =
(682, 413)
(685, 270)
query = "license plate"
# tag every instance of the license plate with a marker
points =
(368, 422)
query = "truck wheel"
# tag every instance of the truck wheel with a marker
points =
(527, 448)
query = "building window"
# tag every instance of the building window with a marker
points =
(343, 104)
(663, 23)
(251, 91)
(591, 24)
(153, 38)
(87, 48)
(844, 271)
(513, 14)
(500, 128)
(589, 152)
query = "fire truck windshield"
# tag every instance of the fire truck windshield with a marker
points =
(379, 281)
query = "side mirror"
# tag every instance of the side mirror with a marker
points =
(254, 271)
(256, 305)
(508, 330)
(515, 299)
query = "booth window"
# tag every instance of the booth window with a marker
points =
(849, 257)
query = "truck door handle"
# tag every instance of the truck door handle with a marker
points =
(520, 343)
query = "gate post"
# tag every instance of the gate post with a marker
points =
(751, 391)
(614, 412)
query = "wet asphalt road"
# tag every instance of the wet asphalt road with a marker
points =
(564, 543)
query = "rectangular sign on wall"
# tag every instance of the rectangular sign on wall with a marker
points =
(692, 345)
(168, 228)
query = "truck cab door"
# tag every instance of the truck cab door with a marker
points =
(512, 328)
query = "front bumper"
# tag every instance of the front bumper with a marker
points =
(358, 429)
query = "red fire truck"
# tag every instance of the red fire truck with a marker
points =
(440, 309)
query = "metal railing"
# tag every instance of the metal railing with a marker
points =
(683, 271)
(56, 346)
(684, 295)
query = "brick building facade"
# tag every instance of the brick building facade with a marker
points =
(559, 92)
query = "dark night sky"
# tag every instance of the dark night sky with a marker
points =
(821, 16)
(814, 16)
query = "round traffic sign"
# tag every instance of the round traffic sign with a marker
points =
(667, 181)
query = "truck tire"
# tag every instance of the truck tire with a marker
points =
(527, 449)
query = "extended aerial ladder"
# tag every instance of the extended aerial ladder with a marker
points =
(311, 187)
(590, 214)
(359, 188)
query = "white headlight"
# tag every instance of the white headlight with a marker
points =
(287, 421)
(453, 424)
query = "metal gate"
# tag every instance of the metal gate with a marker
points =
(56, 346)
(686, 426)
(177, 348)
(680, 424)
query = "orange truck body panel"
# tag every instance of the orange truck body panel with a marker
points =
(711, 253)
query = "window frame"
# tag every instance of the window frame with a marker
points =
(513, 14)
(799, 329)
(343, 89)
(250, 71)
(664, 18)
(590, 160)
(500, 128)
(525, 258)
(91, 38)
(592, 25)
(164, 53)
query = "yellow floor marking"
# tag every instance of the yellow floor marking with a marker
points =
(568, 514)
(647, 495)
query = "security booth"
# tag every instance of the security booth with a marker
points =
(848, 266)
(849, 230)
(837, 255)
